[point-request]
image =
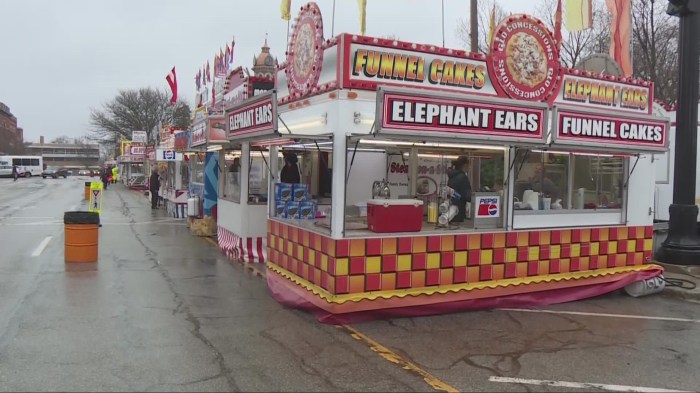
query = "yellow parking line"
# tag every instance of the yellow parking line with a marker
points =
(384, 352)
(393, 357)
(210, 240)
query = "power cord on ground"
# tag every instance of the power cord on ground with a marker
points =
(679, 283)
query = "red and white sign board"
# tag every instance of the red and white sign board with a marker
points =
(609, 131)
(254, 117)
(487, 206)
(138, 150)
(418, 113)
(604, 93)
(199, 133)
(371, 65)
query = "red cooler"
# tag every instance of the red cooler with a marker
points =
(394, 215)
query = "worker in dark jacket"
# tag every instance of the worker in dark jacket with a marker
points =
(459, 181)
(154, 186)
(290, 172)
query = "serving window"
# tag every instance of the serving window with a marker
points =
(415, 182)
(548, 182)
(258, 176)
(231, 186)
(302, 191)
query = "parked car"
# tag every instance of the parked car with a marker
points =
(5, 170)
(54, 172)
(84, 172)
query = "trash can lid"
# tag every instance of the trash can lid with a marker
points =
(87, 183)
(81, 217)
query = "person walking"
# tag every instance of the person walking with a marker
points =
(15, 172)
(114, 175)
(154, 186)
(105, 178)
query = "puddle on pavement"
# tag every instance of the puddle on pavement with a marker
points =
(81, 267)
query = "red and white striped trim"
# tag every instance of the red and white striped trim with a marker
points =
(247, 250)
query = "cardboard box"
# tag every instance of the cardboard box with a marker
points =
(307, 210)
(300, 192)
(283, 192)
(291, 210)
(280, 209)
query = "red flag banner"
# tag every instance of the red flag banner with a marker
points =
(557, 25)
(172, 82)
(621, 33)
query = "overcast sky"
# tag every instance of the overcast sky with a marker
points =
(58, 59)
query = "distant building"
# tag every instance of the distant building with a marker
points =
(11, 136)
(67, 155)
(264, 64)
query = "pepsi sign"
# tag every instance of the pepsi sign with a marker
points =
(168, 155)
(487, 207)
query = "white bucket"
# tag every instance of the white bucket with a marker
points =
(646, 287)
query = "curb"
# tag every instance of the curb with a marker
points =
(681, 294)
(683, 273)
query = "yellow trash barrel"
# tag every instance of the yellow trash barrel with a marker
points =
(82, 236)
(87, 190)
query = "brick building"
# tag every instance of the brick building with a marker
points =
(11, 136)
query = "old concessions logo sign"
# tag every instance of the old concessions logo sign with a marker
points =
(524, 59)
(305, 54)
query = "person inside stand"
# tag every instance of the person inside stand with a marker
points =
(15, 172)
(459, 181)
(154, 186)
(541, 183)
(290, 172)
(235, 170)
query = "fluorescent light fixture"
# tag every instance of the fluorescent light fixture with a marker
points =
(431, 144)
(579, 153)
(308, 145)
(443, 156)
(318, 122)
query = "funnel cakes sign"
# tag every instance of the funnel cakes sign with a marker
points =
(524, 59)
(610, 130)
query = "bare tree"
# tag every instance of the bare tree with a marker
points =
(655, 47)
(63, 140)
(144, 109)
(578, 45)
(464, 29)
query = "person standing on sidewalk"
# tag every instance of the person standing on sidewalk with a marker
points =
(15, 172)
(154, 186)
(105, 178)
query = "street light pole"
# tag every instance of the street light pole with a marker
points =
(474, 26)
(682, 246)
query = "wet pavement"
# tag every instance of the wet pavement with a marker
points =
(163, 310)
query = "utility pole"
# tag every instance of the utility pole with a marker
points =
(682, 246)
(474, 26)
